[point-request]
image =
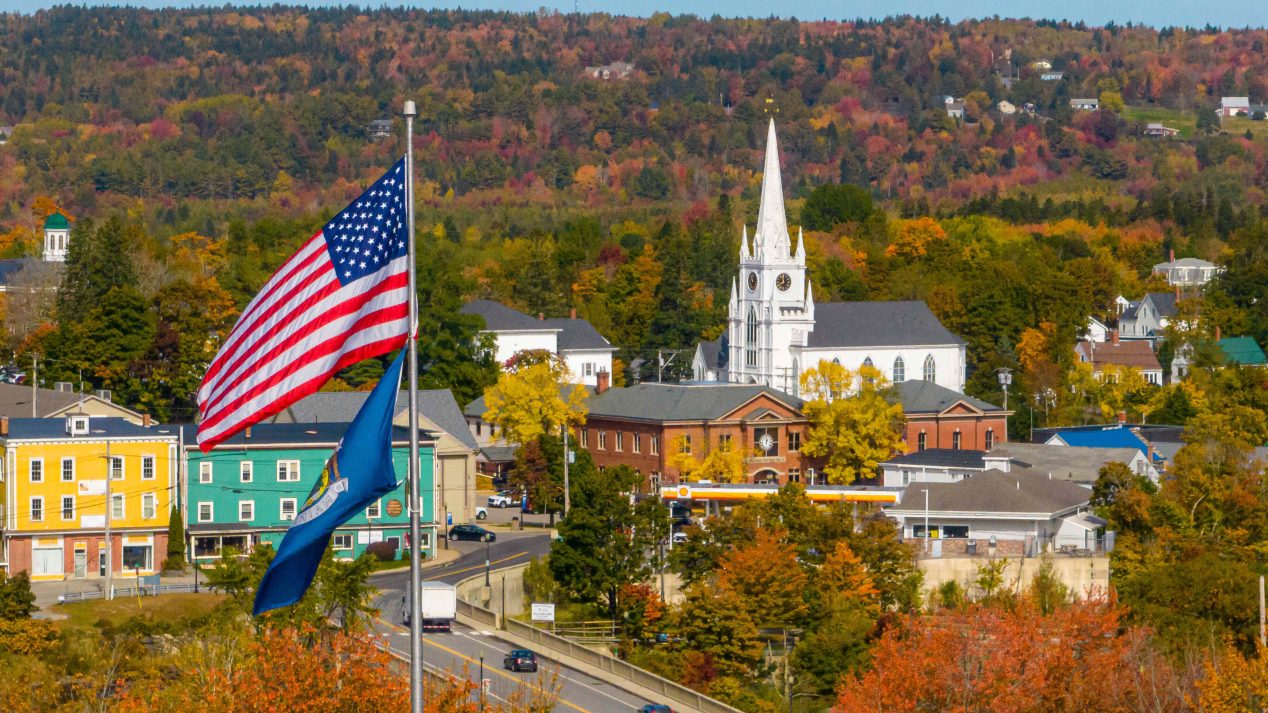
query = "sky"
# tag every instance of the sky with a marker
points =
(1195, 13)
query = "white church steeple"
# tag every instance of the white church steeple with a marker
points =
(771, 234)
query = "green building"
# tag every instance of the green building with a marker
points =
(247, 490)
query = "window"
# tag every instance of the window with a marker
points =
(204, 472)
(246, 471)
(148, 507)
(116, 507)
(341, 541)
(603, 440)
(147, 467)
(286, 508)
(794, 475)
(246, 510)
(479, 427)
(588, 369)
(955, 532)
(990, 438)
(288, 471)
(655, 445)
(68, 469)
(867, 362)
(794, 441)
(919, 531)
(638, 443)
(375, 509)
(585, 437)
(750, 338)
(724, 442)
(206, 512)
(684, 446)
(137, 557)
(116, 467)
(37, 470)
(37, 509)
(620, 441)
(68, 507)
(955, 441)
(900, 370)
(920, 441)
(906, 477)
(931, 371)
(766, 440)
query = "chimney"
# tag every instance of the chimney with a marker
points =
(1217, 332)
(4, 425)
(1173, 254)
(541, 316)
(602, 382)
(1114, 336)
(1177, 293)
(145, 420)
(572, 313)
(247, 433)
(1122, 417)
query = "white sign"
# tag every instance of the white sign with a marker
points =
(92, 487)
(92, 522)
(543, 612)
(365, 538)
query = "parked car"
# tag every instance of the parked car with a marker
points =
(502, 500)
(471, 532)
(655, 708)
(520, 660)
(482, 513)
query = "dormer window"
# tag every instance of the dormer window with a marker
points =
(77, 425)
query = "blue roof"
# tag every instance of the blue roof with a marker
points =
(98, 427)
(1113, 437)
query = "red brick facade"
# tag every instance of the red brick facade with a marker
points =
(20, 552)
(977, 430)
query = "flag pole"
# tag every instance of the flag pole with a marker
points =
(415, 489)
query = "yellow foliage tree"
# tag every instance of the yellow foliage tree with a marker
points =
(852, 422)
(1234, 683)
(843, 578)
(914, 238)
(725, 463)
(533, 398)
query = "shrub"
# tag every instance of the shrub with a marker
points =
(384, 551)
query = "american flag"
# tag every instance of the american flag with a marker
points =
(343, 297)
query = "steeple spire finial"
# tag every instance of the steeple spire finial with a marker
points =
(772, 224)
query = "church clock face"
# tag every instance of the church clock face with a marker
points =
(783, 282)
(752, 282)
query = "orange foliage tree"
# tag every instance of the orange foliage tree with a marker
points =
(766, 576)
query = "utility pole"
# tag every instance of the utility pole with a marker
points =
(109, 512)
(1263, 639)
(567, 485)
(35, 384)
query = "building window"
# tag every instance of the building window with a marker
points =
(955, 532)
(655, 445)
(603, 440)
(990, 438)
(750, 338)
(620, 441)
(955, 441)
(246, 510)
(137, 557)
(766, 440)
(116, 467)
(206, 512)
(724, 442)
(900, 370)
(288, 471)
(37, 509)
(246, 471)
(68, 469)
(341, 541)
(906, 477)
(794, 475)
(147, 467)
(588, 369)
(204, 472)
(794, 441)
(867, 362)
(931, 371)
(479, 427)
(148, 508)
(286, 508)
(684, 445)
(68, 507)
(638, 443)
(37, 470)
(920, 441)
(375, 509)
(585, 437)
(116, 507)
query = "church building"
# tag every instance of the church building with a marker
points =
(775, 330)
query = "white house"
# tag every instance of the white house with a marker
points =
(1096, 330)
(1234, 106)
(1085, 103)
(1187, 271)
(573, 340)
(775, 330)
(1147, 317)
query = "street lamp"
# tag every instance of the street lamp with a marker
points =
(926, 518)
(1005, 380)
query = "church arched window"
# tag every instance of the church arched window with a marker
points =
(900, 370)
(867, 361)
(750, 338)
(931, 371)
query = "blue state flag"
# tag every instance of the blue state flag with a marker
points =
(358, 473)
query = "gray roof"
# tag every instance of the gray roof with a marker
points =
(98, 427)
(500, 318)
(436, 405)
(680, 402)
(1184, 261)
(498, 454)
(941, 458)
(877, 324)
(1074, 463)
(15, 401)
(1164, 302)
(918, 396)
(997, 492)
(712, 352)
(578, 334)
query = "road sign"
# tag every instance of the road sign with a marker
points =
(543, 611)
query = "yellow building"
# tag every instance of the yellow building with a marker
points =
(54, 512)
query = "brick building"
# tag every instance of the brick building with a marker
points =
(938, 417)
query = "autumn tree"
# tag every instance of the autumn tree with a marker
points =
(714, 623)
(17, 601)
(852, 422)
(767, 578)
(534, 398)
(724, 462)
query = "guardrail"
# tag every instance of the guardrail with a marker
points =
(144, 591)
(674, 693)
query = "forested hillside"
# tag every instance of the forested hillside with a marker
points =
(195, 148)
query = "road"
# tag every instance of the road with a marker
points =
(459, 652)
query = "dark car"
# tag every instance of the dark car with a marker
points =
(655, 708)
(520, 660)
(471, 532)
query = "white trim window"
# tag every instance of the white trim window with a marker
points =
(286, 509)
(288, 471)
(149, 506)
(246, 510)
(37, 508)
(206, 512)
(375, 509)
(638, 443)
(585, 437)
(117, 509)
(620, 441)
(246, 471)
(68, 507)
(655, 445)
(116, 468)
(147, 468)
(603, 440)
(341, 541)
(68, 470)
(204, 472)
(37, 470)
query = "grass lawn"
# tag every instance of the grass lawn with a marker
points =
(1239, 125)
(1186, 123)
(166, 608)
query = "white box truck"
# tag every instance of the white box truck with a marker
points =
(439, 605)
